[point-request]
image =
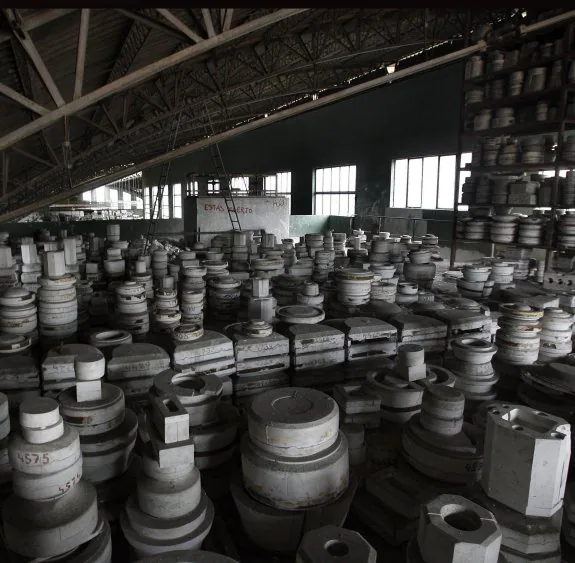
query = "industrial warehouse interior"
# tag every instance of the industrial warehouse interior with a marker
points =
(287, 285)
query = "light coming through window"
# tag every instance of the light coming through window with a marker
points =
(334, 191)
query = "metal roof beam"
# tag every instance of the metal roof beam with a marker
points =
(38, 20)
(141, 75)
(228, 19)
(156, 24)
(81, 57)
(180, 25)
(208, 22)
(23, 100)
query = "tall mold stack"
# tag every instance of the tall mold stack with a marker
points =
(107, 430)
(52, 512)
(57, 301)
(295, 468)
(132, 309)
(8, 273)
(18, 313)
(213, 422)
(31, 267)
(169, 510)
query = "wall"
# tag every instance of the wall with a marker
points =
(414, 117)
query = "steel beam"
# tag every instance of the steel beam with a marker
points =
(26, 41)
(141, 75)
(81, 57)
(179, 24)
(208, 22)
(23, 100)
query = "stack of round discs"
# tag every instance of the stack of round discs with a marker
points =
(502, 273)
(285, 289)
(174, 272)
(309, 295)
(114, 264)
(407, 293)
(267, 267)
(300, 314)
(224, 297)
(556, 333)
(5, 469)
(18, 313)
(52, 510)
(379, 250)
(187, 259)
(518, 336)
(313, 242)
(57, 301)
(132, 308)
(339, 243)
(566, 231)
(215, 268)
(470, 363)
(107, 340)
(473, 282)
(294, 456)
(530, 231)
(323, 263)
(383, 291)
(97, 411)
(167, 282)
(383, 271)
(353, 286)
(288, 252)
(504, 228)
(192, 305)
(143, 276)
(159, 264)
(167, 312)
(193, 278)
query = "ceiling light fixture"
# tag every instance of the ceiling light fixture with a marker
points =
(390, 68)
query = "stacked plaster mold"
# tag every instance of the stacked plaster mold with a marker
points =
(58, 371)
(261, 305)
(132, 367)
(107, 430)
(198, 352)
(439, 453)
(331, 544)
(213, 424)
(295, 468)
(366, 339)
(262, 356)
(107, 340)
(169, 511)
(18, 313)
(143, 276)
(556, 335)
(353, 290)
(517, 343)
(52, 512)
(470, 363)
(524, 478)
(132, 309)
(224, 297)
(8, 273)
(451, 529)
(316, 352)
(424, 331)
(167, 315)
(400, 389)
(419, 269)
(57, 300)
(19, 377)
(31, 267)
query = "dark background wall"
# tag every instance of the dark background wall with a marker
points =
(414, 117)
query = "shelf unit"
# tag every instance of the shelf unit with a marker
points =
(560, 95)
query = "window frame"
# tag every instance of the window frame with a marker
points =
(408, 159)
(317, 192)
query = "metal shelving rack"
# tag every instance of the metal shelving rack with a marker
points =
(562, 123)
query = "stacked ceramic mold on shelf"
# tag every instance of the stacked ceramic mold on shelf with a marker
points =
(506, 170)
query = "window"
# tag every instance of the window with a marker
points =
(427, 182)
(177, 201)
(146, 203)
(334, 191)
(113, 198)
(87, 196)
(165, 203)
(192, 188)
(127, 199)
(240, 185)
(154, 213)
(213, 187)
(278, 184)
